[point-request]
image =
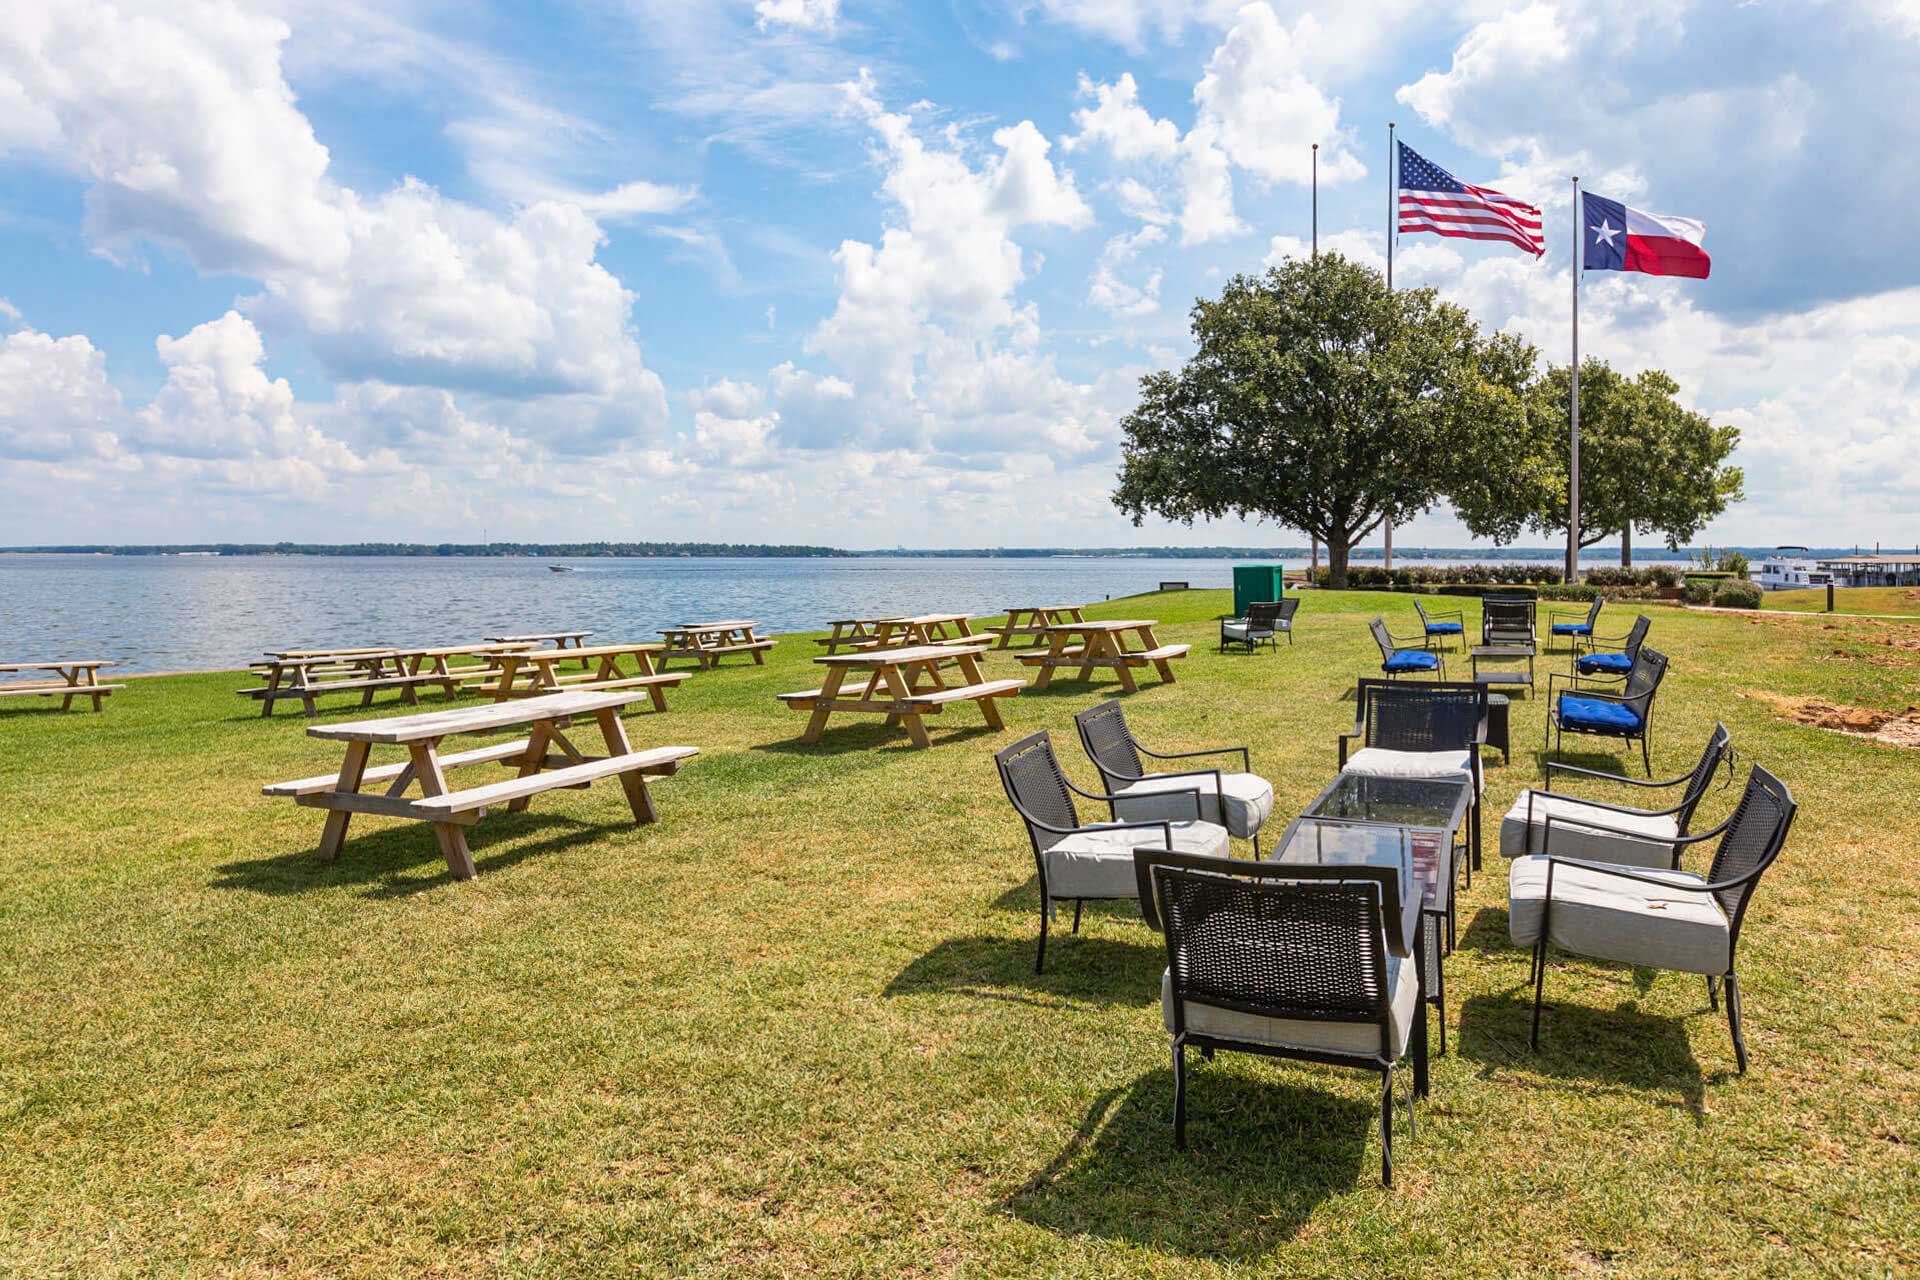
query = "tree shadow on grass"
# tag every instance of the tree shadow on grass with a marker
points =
(847, 736)
(1262, 1154)
(1586, 1045)
(1105, 685)
(1083, 970)
(388, 861)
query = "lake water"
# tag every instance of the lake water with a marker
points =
(189, 613)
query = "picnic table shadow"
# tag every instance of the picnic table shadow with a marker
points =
(382, 859)
(874, 735)
(1263, 1153)
(1086, 970)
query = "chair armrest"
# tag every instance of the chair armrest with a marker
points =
(1449, 613)
(1246, 765)
(1359, 731)
(1630, 873)
(1554, 766)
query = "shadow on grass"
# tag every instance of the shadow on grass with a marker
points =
(388, 861)
(1585, 1046)
(871, 733)
(1105, 685)
(1262, 1154)
(1082, 969)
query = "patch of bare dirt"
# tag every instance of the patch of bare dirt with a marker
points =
(1895, 728)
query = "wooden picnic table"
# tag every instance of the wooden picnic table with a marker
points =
(76, 678)
(533, 672)
(558, 639)
(708, 641)
(903, 685)
(924, 629)
(850, 633)
(1034, 619)
(309, 673)
(1103, 644)
(538, 767)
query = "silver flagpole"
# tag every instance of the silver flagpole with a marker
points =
(1393, 184)
(1573, 455)
(1316, 199)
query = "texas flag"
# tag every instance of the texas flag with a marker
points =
(1623, 239)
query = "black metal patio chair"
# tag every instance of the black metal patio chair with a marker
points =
(1658, 919)
(1440, 625)
(1615, 659)
(1241, 802)
(1265, 620)
(1421, 731)
(1627, 714)
(1507, 620)
(1574, 627)
(1398, 661)
(1076, 860)
(1616, 833)
(1269, 959)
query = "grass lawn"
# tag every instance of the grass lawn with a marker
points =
(794, 1028)
(1847, 600)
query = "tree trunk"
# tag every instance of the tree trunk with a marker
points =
(1316, 555)
(1626, 547)
(1337, 563)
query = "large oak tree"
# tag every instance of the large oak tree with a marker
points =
(1322, 400)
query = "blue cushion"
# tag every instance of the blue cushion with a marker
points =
(1412, 660)
(1597, 716)
(1610, 664)
(1572, 629)
(1443, 629)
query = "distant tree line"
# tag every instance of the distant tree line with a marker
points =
(557, 550)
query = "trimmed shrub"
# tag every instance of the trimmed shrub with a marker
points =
(1699, 591)
(1663, 575)
(1737, 595)
(1561, 591)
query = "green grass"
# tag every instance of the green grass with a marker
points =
(1847, 600)
(794, 1029)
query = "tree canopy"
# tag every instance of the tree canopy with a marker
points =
(1647, 464)
(1322, 400)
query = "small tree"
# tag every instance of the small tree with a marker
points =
(1322, 400)
(1647, 464)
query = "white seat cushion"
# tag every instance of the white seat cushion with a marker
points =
(1360, 1038)
(1234, 630)
(1099, 864)
(1649, 846)
(1613, 919)
(1379, 762)
(1249, 800)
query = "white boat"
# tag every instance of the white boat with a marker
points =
(1784, 571)
(561, 568)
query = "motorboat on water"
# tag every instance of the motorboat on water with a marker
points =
(1785, 570)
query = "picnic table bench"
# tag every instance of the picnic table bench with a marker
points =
(1103, 644)
(708, 641)
(1034, 619)
(903, 685)
(530, 673)
(76, 678)
(540, 767)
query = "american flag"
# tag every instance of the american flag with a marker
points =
(1431, 199)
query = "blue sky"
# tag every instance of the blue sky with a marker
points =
(874, 273)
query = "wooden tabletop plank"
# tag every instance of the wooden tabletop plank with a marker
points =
(899, 657)
(1126, 624)
(542, 635)
(731, 625)
(589, 651)
(58, 664)
(486, 719)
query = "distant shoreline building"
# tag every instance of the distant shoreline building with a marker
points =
(1874, 570)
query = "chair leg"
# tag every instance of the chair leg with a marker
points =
(1539, 987)
(1733, 1022)
(1040, 957)
(1713, 993)
(1646, 758)
(1386, 1127)
(1179, 1096)
(1077, 904)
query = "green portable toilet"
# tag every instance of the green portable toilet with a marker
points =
(1254, 583)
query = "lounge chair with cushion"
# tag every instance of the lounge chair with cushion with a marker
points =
(1241, 802)
(1442, 625)
(1656, 919)
(1080, 860)
(1420, 731)
(1574, 628)
(1270, 959)
(1628, 714)
(1507, 620)
(1264, 621)
(1590, 659)
(1396, 661)
(1610, 832)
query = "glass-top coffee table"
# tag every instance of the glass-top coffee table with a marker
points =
(1502, 653)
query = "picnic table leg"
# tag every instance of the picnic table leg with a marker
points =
(334, 834)
(970, 671)
(1165, 667)
(450, 836)
(910, 719)
(1113, 650)
(1006, 636)
(532, 762)
(634, 784)
(1056, 646)
(303, 678)
(655, 693)
(273, 686)
(817, 722)
(73, 682)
